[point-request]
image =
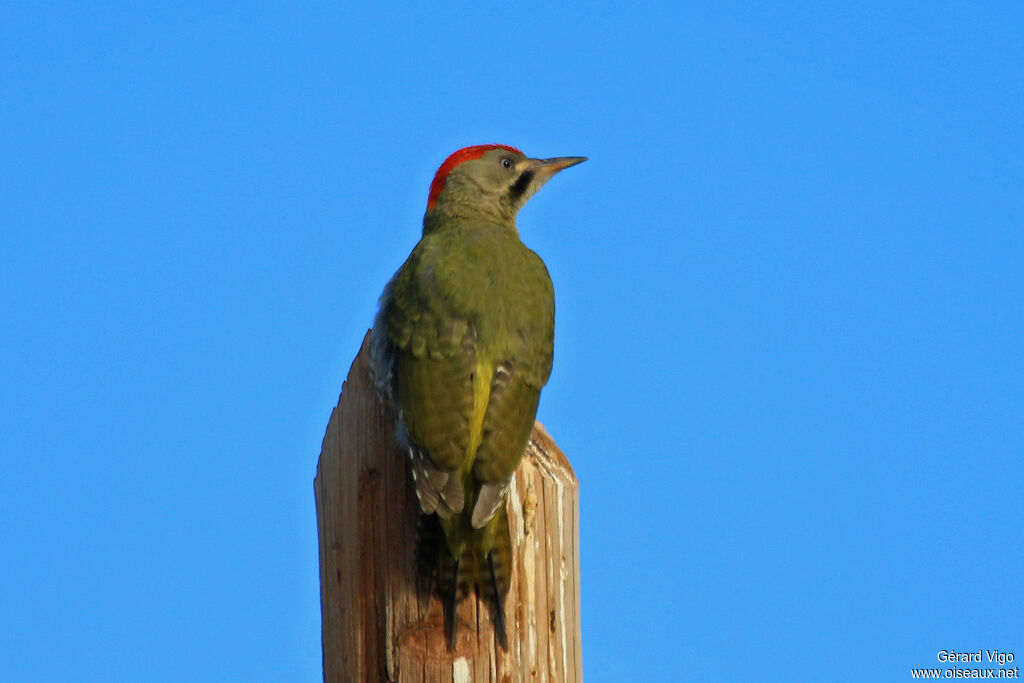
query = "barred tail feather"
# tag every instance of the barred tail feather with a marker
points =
(499, 604)
(451, 605)
(451, 579)
(495, 574)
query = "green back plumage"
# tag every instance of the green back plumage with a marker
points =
(469, 299)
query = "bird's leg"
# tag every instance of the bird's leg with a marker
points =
(428, 539)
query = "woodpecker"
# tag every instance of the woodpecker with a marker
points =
(461, 346)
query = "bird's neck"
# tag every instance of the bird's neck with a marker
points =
(463, 215)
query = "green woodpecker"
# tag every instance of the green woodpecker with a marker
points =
(461, 346)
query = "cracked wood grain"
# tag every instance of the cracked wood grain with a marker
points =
(378, 623)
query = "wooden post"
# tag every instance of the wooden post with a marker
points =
(378, 622)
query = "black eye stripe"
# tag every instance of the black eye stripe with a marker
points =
(519, 187)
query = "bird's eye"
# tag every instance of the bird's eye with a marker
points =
(506, 162)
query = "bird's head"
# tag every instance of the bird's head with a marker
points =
(489, 182)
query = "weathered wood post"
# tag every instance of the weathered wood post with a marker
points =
(378, 623)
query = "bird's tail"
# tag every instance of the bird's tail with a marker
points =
(494, 572)
(485, 564)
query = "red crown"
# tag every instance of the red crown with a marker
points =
(464, 154)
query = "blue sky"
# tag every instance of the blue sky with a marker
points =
(788, 367)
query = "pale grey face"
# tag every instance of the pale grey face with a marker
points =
(507, 178)
(494, 175)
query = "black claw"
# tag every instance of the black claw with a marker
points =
(499, 608)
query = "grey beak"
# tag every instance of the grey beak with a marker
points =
(550, 167)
